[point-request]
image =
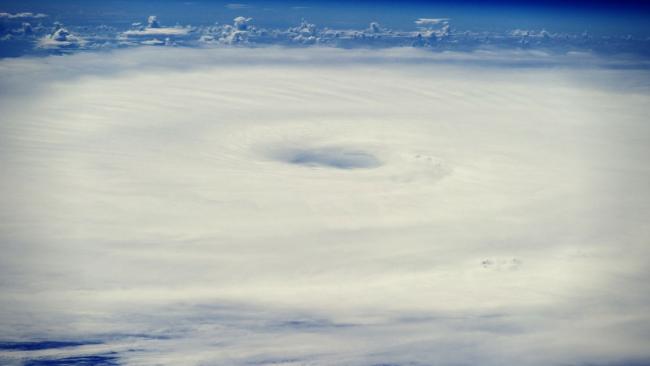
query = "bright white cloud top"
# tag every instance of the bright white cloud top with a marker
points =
(271, 206)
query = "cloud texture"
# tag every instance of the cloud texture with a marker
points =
(267, 206)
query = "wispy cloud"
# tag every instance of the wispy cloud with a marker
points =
(237, 6)
(431, 21)
(25, 15)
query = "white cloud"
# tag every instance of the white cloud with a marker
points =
(153, 42)
(306, 206)
(25, 15)
(374, 27)
(154, 28)
(60, 38)
(434, 33)
(241, 23)
(304, 33)
(169, 31)
(152, 22)
(426, 22)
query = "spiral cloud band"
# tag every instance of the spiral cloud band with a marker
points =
(275, 206)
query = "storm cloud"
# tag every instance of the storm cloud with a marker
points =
(267, 206)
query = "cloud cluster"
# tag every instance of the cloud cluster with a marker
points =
(61, 38)
(437, 34)
(322, 206)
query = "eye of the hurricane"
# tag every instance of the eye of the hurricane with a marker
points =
(331, 157)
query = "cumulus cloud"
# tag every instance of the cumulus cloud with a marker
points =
(374, 27)
(275, 205)
(60, 38)
(152, 22)
(433, 30)
(239, 33)
(241, 23)
(304, 33)
(433, 33)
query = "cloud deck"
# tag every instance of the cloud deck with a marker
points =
(265, 206)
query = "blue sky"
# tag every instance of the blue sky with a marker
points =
(612, 17)
(603, 27)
